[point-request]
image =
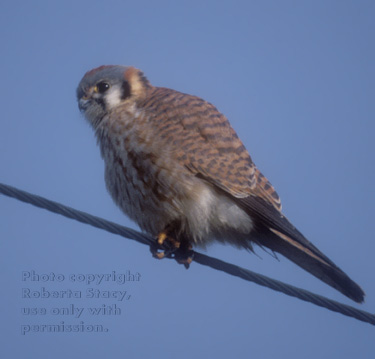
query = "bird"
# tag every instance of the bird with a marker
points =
(176, 167)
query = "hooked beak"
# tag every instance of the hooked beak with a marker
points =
(85, 96)
(83, 103)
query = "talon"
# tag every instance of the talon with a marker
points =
(186, 262)
(184, 257)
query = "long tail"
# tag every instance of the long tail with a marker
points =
(299, 250)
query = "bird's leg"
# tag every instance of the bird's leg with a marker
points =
(166, 245)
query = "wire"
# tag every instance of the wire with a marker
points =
(198, 257)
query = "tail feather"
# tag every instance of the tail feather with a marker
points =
(312, 260)
(274, 231)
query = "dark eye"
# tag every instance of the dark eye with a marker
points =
(102, 87)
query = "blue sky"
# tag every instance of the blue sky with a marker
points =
(296, 80)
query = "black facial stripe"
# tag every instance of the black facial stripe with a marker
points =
(100, 102)
(125, 88)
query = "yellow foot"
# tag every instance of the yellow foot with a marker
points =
(166, 246)
(163, 237)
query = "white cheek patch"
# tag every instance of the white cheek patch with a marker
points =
(113, 97)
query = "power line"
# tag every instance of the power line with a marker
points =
(198, 257)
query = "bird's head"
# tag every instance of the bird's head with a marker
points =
(104, 88)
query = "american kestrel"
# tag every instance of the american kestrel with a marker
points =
(175, 166)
